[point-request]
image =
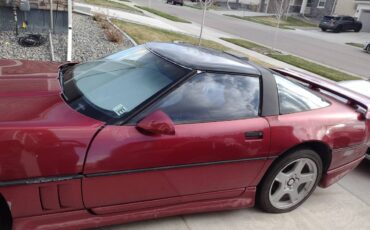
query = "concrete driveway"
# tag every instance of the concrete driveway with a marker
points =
(343, 206)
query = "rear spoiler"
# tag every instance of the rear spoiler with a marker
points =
(316, 83)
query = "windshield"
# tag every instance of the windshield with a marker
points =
(111, 87)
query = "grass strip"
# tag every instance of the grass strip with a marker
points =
(321, 70)
(113, 5)
(359, 45)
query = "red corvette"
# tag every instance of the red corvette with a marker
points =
(167, 129)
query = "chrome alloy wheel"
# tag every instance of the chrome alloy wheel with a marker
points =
(293, 183)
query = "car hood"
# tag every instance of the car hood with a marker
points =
(40, 135)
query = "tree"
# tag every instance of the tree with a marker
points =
(281, 9)
(204, 4)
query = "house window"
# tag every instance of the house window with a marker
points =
(321, 4)
(309, 3)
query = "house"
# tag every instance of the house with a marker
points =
(318, 8)
(34, 15)
(310, 8)
(357, 8)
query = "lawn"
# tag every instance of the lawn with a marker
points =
(321, 70)
(163, 14)
(113, 5)
(142, 34)
(288, 23)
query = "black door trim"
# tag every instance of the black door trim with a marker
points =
(178, 166)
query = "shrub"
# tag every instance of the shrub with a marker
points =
(105, 25)
(113, 35)
(99, 17)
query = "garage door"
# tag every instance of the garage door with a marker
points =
(365, 19)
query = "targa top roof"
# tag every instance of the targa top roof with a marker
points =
(200, 58)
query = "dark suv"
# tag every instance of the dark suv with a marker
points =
(340, 23)
(175, 2)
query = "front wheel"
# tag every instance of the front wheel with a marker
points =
(290, 181)
(323, 29)
(368, 51)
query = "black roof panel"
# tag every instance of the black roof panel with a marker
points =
(200, 58)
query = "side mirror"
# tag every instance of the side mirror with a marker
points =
(156, 123)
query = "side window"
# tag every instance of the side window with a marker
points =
(211, 97)
(294, 97)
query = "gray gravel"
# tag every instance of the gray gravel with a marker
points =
(10, 49)
(89, 41)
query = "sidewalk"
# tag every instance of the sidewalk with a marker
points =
(119, 14)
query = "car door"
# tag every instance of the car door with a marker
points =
(219, 146)
(348, 23)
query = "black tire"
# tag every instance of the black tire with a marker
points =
(269, 180)
(358, 28)
(6, 221)
(323, 29)
(338, 29)
(368, 51)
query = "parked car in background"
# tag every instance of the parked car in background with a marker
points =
(175, 2)
(340, 23)
(367, 47)
(361, 87)
(166, 129)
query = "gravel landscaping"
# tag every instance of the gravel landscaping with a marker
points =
(10, 49)
(89, 41)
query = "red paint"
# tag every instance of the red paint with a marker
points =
(40, 134)
(159, 168)
(156, 123)
(82, 219)
(332, 176)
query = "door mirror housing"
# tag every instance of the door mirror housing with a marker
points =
(156, 123)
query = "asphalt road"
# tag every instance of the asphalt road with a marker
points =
(340, 56)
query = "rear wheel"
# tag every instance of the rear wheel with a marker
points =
(368, 51)
(323, 29)
(357, 29)
(290, 181)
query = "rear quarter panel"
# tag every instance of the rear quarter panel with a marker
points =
(338, 126)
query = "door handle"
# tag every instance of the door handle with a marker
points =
(252, 135)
